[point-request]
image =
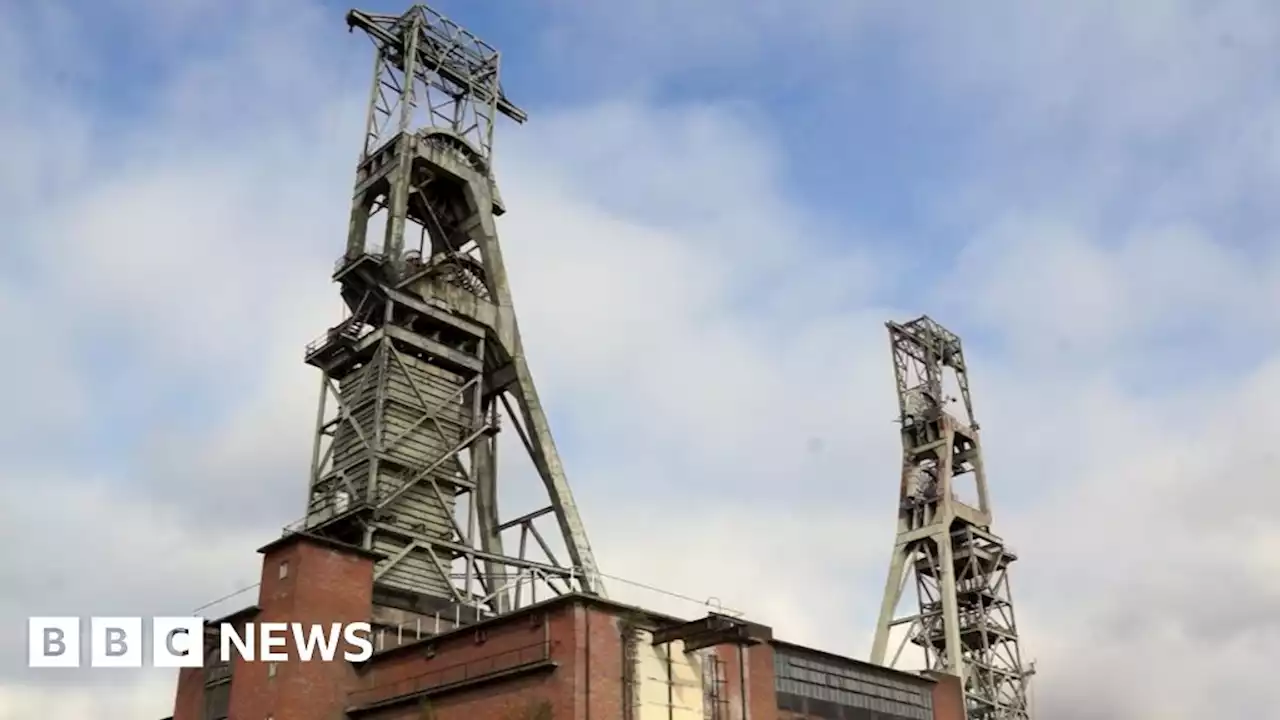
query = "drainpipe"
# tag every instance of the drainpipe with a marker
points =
(586, 615)
(671, 683)
(742, 678)
(546, 636)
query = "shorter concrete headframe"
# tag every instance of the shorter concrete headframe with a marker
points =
(963, 617)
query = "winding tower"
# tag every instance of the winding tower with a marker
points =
(963, 617)
(428, 365)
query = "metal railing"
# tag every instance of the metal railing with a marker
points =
(454, 674)
(390, 637)
(344, 261)
(349, 330)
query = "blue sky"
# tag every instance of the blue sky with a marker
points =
(713, 209)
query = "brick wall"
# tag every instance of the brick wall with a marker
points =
(756, 669)
(324, 583)
(585, 641)
(505, 657)
(948, 697)
(531, 697)
(560, 661)
(599, 664)
(586, 683)
(189, 702)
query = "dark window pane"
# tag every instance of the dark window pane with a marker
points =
(217, 701)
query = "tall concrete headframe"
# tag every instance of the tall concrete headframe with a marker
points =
(945, 550)
(428, 364)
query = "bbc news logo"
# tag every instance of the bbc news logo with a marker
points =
(55, 642)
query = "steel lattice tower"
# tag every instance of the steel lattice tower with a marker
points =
(429, 358)
(963, 619)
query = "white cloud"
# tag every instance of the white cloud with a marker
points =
(641, 44)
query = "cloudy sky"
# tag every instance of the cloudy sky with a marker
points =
(714, 207)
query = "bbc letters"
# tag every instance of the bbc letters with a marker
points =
(57, 642)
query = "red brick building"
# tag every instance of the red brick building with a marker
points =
(574, 657)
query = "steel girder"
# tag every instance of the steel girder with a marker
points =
(428, 365)
(963, 618)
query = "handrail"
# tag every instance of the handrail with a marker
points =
(344, 261)
(350, 329)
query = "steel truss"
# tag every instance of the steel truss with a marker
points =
(428, 365)
(963, 619)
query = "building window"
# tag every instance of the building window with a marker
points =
(217, 700)
(284, 569)
(829, 688)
